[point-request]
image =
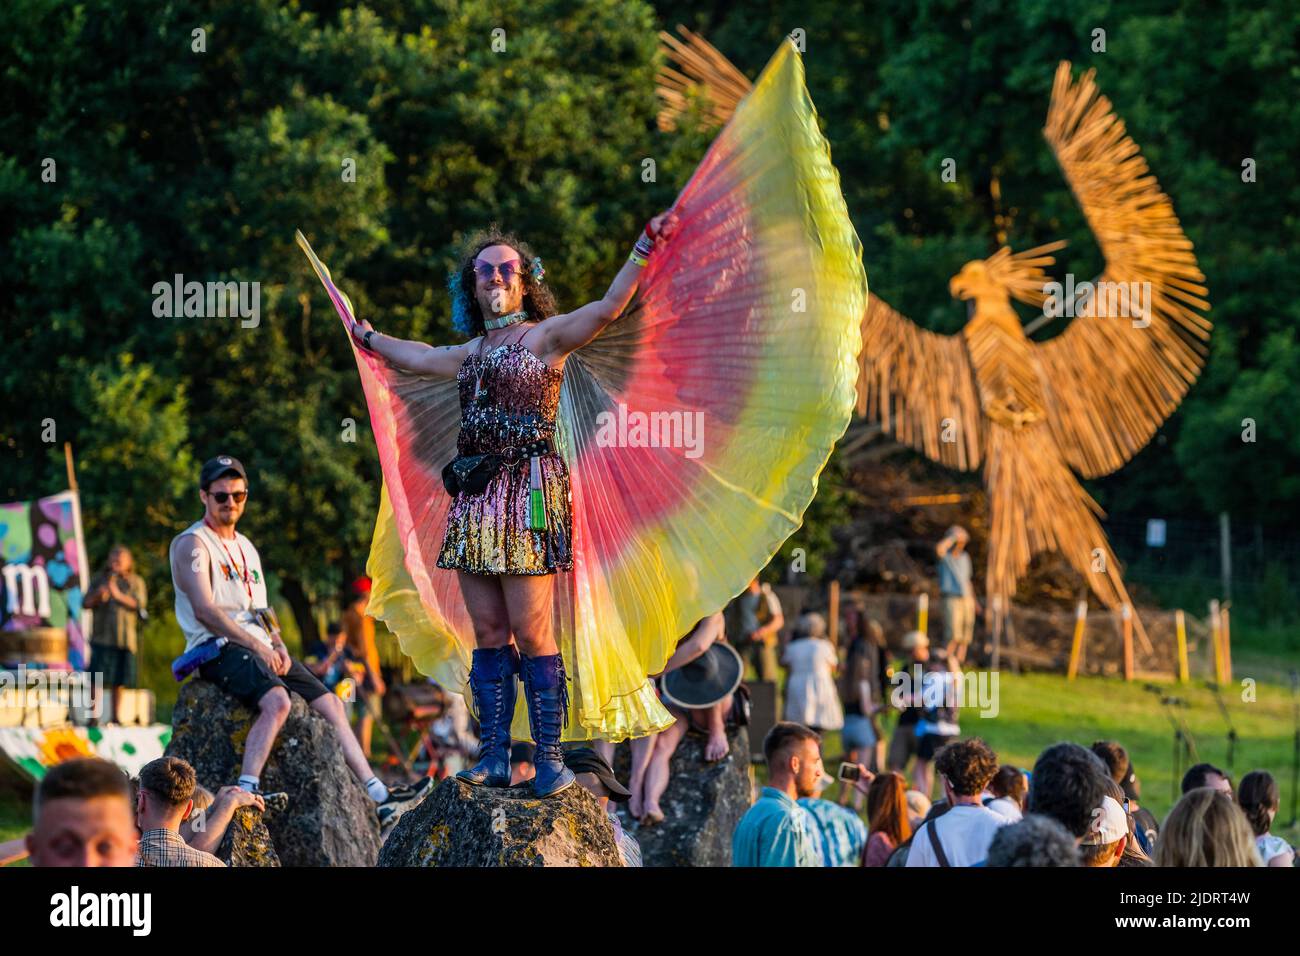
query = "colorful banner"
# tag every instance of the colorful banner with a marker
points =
(43, 573)
(33, 750)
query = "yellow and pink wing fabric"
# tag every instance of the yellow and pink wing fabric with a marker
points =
(694, 427)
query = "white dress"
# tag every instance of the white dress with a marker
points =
(811, 697)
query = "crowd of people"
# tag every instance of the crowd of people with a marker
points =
(1077, 806)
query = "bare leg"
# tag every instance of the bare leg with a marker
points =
(642, 749)
(716, 748)
(922, 777)
(659, 771)
(528, 608)
(272, 712)
(487, 608)
(331, 708)
(365, 727)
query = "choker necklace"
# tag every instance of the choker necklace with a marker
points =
(501, 321)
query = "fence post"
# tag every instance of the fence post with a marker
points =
(1126, 631)
(1225, 637)
(1180, 626)
(923, 613)
(1080, 618)
(1216, 641)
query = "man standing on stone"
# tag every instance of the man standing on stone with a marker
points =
(221, 593)
(117, 596)
(776, 831)
(166, 798)
(959, 604)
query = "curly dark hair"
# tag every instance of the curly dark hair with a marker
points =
(968, 764)
(1258, 794)
(1067, 784)
(538, 301)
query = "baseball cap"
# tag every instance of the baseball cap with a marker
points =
(586, 760)
(214, 468)
(1110, 824)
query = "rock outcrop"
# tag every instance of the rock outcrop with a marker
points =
(329, 821)
(462, 825)
(702, 805)
(247, 841)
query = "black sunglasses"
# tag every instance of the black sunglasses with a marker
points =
(221, 496)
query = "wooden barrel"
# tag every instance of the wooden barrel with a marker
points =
(37, 645)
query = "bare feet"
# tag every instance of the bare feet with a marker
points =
(652, 816)
(634, 806)
(717, 747)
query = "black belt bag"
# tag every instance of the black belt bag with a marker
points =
(470, 474)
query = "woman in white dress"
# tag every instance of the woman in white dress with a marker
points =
(811, 697)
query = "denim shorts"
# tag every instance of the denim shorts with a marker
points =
(857, 733)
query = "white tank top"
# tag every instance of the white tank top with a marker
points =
(231, 564)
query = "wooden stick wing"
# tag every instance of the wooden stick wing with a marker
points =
(1115, 374)
(920, 387)
(702, 67)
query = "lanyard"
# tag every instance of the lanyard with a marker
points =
(243, 574)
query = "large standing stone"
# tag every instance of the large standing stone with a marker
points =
(462, 825)
(702, 805)
(330, 821)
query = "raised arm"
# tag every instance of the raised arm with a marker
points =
(441, 361)
(562, 334)
(696, 643)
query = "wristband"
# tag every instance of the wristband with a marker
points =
(362, 339)
(643, 249)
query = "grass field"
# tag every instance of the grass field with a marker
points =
(1036, 710)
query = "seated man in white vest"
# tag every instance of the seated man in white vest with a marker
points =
(221, 594)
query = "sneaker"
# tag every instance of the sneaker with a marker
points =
(400, 799)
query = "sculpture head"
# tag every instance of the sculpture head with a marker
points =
(1019, 275)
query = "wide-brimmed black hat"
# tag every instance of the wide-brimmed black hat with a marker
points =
(586, 760)
(706, 680)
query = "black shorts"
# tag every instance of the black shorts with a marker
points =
(931, 744)
(246, 677)
(117, 664)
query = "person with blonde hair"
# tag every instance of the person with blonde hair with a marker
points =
(1205, 828)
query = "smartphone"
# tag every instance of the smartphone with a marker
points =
(850, 772)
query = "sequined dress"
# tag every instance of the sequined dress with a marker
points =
(489, 533)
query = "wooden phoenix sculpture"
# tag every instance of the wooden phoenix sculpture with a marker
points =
(1032, 414)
